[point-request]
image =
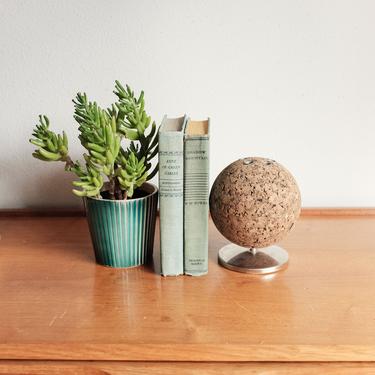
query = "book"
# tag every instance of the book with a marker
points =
(196, 190)
(171, 186)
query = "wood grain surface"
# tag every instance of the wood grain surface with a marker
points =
(57, 304)
(182, 368)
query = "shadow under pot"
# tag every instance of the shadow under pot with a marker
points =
(122, 231)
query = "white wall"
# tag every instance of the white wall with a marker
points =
(290, 80)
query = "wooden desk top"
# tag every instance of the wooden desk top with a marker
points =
(56, 303)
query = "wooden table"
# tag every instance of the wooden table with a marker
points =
(62, 313)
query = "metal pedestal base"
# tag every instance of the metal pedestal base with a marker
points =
(256, 261)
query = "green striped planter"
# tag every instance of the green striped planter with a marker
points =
(122, 232)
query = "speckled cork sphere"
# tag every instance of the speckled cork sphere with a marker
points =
(255, 202)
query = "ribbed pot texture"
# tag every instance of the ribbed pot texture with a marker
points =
(122, 232)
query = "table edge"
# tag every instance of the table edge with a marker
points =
(188, 352)
(79, 212)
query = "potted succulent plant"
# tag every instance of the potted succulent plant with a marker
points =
(120, 143)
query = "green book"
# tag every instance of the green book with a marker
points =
(171, 189)
(196, 189)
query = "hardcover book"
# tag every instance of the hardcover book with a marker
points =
(171, 186)
(196, 190)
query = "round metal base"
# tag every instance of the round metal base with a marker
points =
(256, 261)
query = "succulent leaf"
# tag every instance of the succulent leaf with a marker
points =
(49, 148)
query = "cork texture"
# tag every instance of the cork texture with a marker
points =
(255, 202)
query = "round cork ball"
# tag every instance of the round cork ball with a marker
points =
(255, 202)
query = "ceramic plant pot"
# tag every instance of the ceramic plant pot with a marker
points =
(122, 232)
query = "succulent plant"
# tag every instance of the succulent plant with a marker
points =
(102, 133)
